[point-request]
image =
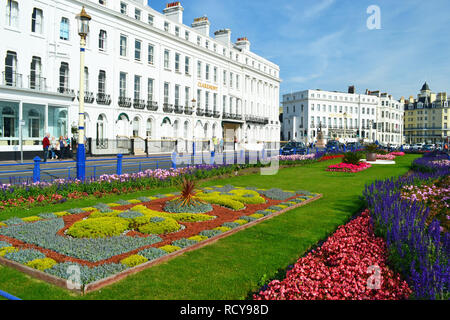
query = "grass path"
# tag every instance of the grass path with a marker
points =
(241, 263)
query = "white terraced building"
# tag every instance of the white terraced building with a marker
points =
(347, 117)
(148, 76)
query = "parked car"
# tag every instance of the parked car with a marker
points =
(406, 147)
(293, 148)
(427, 147)
(354, 145)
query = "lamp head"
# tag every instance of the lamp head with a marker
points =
(83, 23)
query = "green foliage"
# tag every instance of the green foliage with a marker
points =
(152, 253)
(170, 249)
(351, 158)
(41, 264)
(168, 225)
(371, 148)
(134, 260)
(98, 227)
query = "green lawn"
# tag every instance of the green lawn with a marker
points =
(235, 266)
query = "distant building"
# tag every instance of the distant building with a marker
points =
(427, 117)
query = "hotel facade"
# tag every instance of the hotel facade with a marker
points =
(148, 76)
(347, 117)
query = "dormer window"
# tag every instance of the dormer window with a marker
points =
(166, 26)
(123, 8)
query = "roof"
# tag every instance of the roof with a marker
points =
(425, 87)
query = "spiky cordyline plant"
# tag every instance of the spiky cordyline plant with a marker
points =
(187, 197)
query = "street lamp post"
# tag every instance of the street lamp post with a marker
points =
(83, 30)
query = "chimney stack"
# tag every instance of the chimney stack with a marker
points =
(243, 44)
(224, 36)
(201, 25)
(174, 12)
(351, 89)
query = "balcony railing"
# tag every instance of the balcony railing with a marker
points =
(124, 102)
(88, 97)
(188, 110)
(104, 99)
(208, 113)
(200, 112)
(216, 114)
(37, 83)
(139, 104)
(168, 108)
(152, 105)
(255, 119)
(12, 79)
(66, 91)
(178, 109)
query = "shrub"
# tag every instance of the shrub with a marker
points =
(48, 216)
(277, 194)
(231, 225)
(198, 238)
(98, 227)
(247, 218)
(13, 221)
(75, 211)
(134, 260)
(177, 206)
(223, 229)
(130, 215)
(221, 200)
(4, 244)
(241, 222)
(169, 225)
(31, 219)
(41, 264)
(256, 216)
(351, 158)
(170, 249)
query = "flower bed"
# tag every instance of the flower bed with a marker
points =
(107, 239)
(332, 157)
(341, 270)
(419, 248)
(388, 157)
(347, 167)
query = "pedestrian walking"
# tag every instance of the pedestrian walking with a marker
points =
(62, 148)
(45, 146)
(221, 145)
(53, 145)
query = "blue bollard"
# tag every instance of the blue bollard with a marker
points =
(295, 150)
(213, 156)
(37, 170)
(281, 152)
(119, 164)
(174, 160)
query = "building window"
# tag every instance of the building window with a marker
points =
(123, 8)
(12, 13)
(151, 54)
(10, 77)
(166, 59)
(137, 14)
(187, 61)
(150, 89)
(137, 50)
(34, 121)
(177, 62)
(123, 45)
(177, 95)
(102, 82)
(137, 87)
(102, 40)
(166, 93)
(207, 100)
(123, 85)
(199, 69)
(207, 72)
(36, 21)
(150, 19)
(231, 80)
(63, 77)
(186, 35)
(102, 2)
(166, 26)
(199, 97)
(35, 74)
(177, 31)
(86, 79)
(64, 29)
(187, 93)
(215, 74)
(199, 41)
(225, 78)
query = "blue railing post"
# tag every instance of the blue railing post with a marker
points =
(119, 164)
(81, 161)
(174, 160)
(37, 169)
(307, 150)
(193, 148)
(213, 155)
(281, 152)
(295, 150)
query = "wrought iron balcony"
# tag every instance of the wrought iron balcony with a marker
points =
(216, 114)
(152, 105)
(208, 113)
(168, 108)
(200, 112)
(188, 110)
(37, 83)
(178, 109)
(66, 91)
(139, 104)
(12, 79)
(104, 99)
(88, 97)
(124, 102)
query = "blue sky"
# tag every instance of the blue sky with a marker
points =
(325, 44)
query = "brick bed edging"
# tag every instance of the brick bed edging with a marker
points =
(94, 286)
